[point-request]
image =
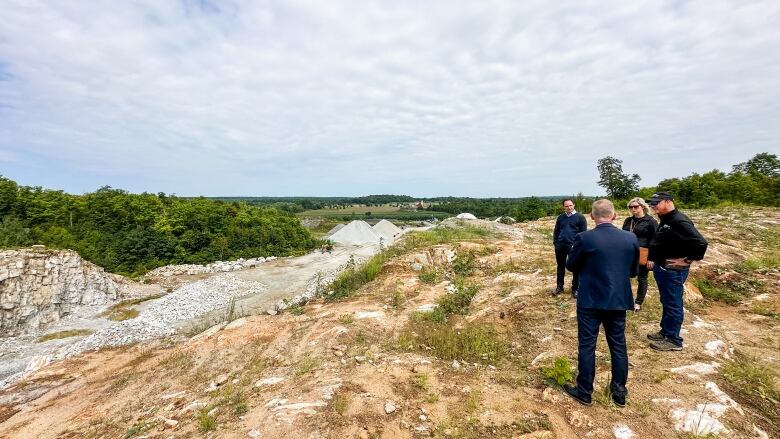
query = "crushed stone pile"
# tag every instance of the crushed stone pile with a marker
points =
(335, 229)
(214, 267)
(387, 229)
(466, 215)
(357, 233)
(160, 318)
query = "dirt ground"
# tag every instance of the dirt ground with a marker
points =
(341, 369)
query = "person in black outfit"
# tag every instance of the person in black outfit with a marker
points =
(641, 224)
(567, 226)
(674, 247)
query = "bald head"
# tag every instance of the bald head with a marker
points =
(603, 211)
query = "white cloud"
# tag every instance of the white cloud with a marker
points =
(325, 98)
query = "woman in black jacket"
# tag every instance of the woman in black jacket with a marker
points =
(641, 224)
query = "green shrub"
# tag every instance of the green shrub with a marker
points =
(560, 373)
(472, 342)
(463, 265)
(430, 276)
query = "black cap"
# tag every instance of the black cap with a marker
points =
(660, 196)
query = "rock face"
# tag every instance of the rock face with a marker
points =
(38, 287)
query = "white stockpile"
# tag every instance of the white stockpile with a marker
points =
(335, 229)
(466, 215)
(387, 229)
(357, 233)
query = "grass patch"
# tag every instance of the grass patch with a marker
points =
(764, 310)
(430, 276)
(755, 382)
(560, 373)
(712, 291)
(768, 262)
(124, 309)
(420, 381)
(306, 365)
(456, 302)
(463, 264)
(64, 334)
(347, 319)
(351, 279)
(296, 309)
(206, 422)
(472, 342)
(340, 404)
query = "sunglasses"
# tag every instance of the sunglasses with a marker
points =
(633, 207)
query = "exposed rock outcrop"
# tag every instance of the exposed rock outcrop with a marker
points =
(39, 286)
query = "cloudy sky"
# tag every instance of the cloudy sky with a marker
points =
(425, 98)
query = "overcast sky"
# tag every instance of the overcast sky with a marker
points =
(425, 98)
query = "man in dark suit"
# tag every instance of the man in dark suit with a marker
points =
(605, 258)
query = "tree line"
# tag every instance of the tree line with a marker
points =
(133, 233)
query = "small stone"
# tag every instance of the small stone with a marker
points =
(423, 418)
(455, 364)
(253, 433)
(360, 359)
(170, 423)
(272, 311)
(389, 407)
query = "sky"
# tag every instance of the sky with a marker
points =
(347, 98)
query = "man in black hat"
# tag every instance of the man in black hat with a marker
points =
(675, 245)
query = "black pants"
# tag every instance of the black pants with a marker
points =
(561, 252)
(614, 322)
(641, 280)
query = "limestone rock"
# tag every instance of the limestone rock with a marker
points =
(691, 293)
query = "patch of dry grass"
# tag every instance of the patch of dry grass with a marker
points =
(64, 334)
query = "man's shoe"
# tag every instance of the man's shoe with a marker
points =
(656, 336)
(619, 401)
(574, 393)
(558, 290)
(665, 345)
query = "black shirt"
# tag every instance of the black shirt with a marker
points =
(676, 237)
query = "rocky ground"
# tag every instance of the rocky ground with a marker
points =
(372, 365)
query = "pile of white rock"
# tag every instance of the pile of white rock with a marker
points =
(160, 317)
(214, 267)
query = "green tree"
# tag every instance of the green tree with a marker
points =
(612, 178)
(762, 164)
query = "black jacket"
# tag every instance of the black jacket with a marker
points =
(567, 227)
(644, 228)
(676, 237)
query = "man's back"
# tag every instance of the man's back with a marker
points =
(606, 258)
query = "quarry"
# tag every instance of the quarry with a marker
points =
(255, 348)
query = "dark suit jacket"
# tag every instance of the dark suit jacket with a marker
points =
(606, 258)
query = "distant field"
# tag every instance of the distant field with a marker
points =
(357, 210)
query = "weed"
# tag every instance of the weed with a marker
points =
(456, 302)
(463, 264)
(560, 373)
(347, 319)
(397, 299)
(755, 381)
(660, 377)
(351, 279)
(206, 422)
(757, 264)
(306, 365)
(420, 381)
(64, 334)
(472, 401)
(296, 309)
(530, 424)
(432, 398)
(430, 276)
(764, 310)
(603, 396)
(340, 404)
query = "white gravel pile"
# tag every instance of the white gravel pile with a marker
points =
(387, 229)
(160, 317)
(357, 233)
(214, 267)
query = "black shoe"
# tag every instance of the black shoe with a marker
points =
(656, 336)
(558, 290)
(573, 294)
(665, 345)
(619, 401)
(574, 393)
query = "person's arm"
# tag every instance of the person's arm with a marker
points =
(695, 244)
(635, 263)
(557, 229)
(583, 224)
(576, 256)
